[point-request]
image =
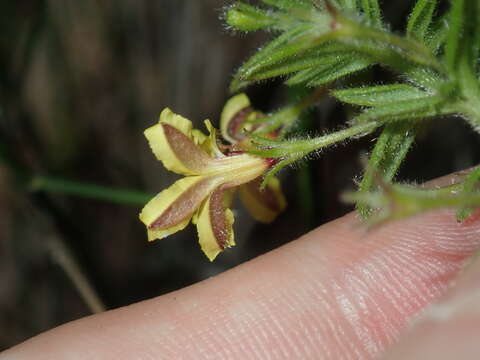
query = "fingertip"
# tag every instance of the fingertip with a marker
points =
(450, 328)
(338, 291)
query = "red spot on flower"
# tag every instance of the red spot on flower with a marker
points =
(272, 162)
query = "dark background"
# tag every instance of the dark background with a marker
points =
(79, 82)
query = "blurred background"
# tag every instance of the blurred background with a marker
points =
(79, 82)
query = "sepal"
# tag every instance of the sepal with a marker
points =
(264, 205)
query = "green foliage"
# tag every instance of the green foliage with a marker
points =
(371, 10)
(290, 4)
(468, 188)
(420, 19)
(397, 201)
(454, 36)
(332, 71)
(379, 95)
(435, 63)
(390, 150)
(248, 18)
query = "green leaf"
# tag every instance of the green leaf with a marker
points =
(379, 95)
(371, 10)
(277, 167)
(297, 63)
(329, 72)
(425, 107)
(388, 154)
(425, 78)
(281, 118)
(340, 70)
(420, 19)
(454, 35)
(469, 186)
(245, 17)
(284, 118)
(323, 54)
(471, 36)
(349, 4)
(238, 81)
(475, 30)
(438, 34)
(395, 201)
(289, 4)
(463, 38)
(462, 55)
(384, 46)
(400, 144)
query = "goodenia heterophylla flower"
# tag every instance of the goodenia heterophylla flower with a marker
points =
(235, 118)
(210, 175)
(266, 204)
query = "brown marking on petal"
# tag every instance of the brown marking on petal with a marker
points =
(192, 156)
(217, 219)
(235, 124)
(265, 196)
(184, 206)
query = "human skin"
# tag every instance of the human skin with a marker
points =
(338, 292)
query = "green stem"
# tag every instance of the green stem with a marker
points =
(308, 146)
(91, 191)
(298, 148)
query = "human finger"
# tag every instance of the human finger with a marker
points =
(338, 292)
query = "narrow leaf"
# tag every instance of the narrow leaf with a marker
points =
(289, 4)
(317, 55)
(279, 166)
(454, 35)
(471, 37)
(388, 154)
(470, 184)
(425, 78)
(379, 95)
(245, 17)
(420, 19)
(260, 55)
(329, 72)
(340, 70)
(438, 34)
(296, 64)
(348, 4)
(420, 108)
(371, 10)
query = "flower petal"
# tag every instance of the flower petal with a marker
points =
(263, 205)
(234, 114)
(172, 209)
(214, 225)
(173, 143)
(210, 144)
(160, 234)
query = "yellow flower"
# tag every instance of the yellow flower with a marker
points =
(204, 194)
